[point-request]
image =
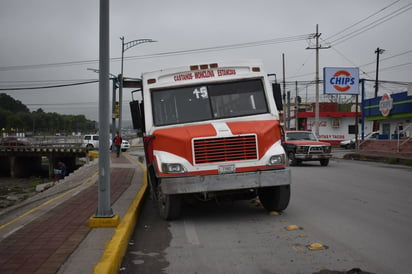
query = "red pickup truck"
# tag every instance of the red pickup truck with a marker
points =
(305, 146)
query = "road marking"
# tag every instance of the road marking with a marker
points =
(191, 233)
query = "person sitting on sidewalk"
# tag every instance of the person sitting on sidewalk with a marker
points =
(60, 172)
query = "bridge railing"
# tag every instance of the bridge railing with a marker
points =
(46, 142)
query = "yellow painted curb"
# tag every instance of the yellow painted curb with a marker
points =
(93, 155)
(113, 254)
(104, 222)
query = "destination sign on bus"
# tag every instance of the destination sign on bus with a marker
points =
(203, 74)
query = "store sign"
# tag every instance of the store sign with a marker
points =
(343, 81)
(386, 104)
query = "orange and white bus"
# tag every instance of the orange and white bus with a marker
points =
(212, 130)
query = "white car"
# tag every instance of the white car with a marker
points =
(91, 141)
(348, 144)
(125, 145)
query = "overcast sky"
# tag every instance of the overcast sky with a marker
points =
(49, 42)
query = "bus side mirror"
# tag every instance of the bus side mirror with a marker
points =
(277, 94)
(136, 109)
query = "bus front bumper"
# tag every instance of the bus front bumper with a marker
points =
(223, 182)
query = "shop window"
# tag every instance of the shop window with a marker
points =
(335, 122)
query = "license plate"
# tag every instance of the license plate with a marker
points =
(227, 169)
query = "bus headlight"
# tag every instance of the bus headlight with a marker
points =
(172, 168)
(277, 160)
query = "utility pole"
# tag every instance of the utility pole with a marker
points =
(288, 111)
(296, 107)
(317, 48)
(284, 92)
(378, 52)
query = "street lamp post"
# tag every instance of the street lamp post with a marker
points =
(104, 209)
(114, 87)
(126, 46)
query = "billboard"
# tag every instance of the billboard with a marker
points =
(343, 81)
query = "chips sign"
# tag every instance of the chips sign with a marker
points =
(343, 81)
(385, 104)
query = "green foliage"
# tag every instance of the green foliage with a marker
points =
(392, 160)
(14, 106)
(36, 181)
(15, 115)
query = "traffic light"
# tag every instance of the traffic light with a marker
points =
(116, 113)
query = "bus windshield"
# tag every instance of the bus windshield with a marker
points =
(208, 102)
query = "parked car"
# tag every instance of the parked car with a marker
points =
(14, 141)
(91, 141)
(304, 146)
(125, 145)
(350, 144)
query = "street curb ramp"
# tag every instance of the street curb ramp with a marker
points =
(111, 259)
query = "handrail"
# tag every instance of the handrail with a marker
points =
(407, 139)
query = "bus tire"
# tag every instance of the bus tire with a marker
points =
(169, 205)
(275, 198)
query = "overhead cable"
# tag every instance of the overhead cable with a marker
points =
(171, 53)
(372, 25)
(360, 21)
(53, 86)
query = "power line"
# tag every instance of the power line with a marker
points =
(170, 53)
(53, 86)
(387, 58)
(373, 24)
(395, 66)
(64, 104)
(43, 81)
(360, 21)
(227, 47)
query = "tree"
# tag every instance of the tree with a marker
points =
(15, 115)
(8, 103)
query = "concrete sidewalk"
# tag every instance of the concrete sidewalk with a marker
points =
(52, 234)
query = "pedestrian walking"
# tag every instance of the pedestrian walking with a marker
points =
(117, 141)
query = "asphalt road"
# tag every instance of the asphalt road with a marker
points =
(361, 212)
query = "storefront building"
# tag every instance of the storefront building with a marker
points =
(335, 125)
(391, 114)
